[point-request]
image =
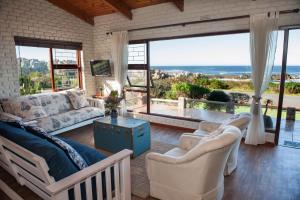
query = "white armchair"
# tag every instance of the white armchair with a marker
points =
(210, 129)
(194, 170)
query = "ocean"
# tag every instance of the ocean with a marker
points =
(221, 70)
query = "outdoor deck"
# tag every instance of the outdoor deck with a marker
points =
(289, 130)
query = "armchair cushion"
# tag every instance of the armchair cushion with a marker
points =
(187, 141)
(206, 126)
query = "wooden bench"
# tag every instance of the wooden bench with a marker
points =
(31, 170)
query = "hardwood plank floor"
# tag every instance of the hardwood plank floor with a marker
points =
(264, 172)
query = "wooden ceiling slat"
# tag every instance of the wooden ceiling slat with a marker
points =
(88, 9)
(120, 6)
(179, 4)
(73, 10)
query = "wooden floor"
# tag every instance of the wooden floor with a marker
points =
(264, 172)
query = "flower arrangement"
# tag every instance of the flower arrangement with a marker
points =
(112, 102)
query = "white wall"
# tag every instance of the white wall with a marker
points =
(194, 10)
(39, 19)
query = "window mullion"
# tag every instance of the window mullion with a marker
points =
(52, 69)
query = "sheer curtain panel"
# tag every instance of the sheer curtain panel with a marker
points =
(263, 40)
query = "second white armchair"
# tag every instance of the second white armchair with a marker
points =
(194, 170)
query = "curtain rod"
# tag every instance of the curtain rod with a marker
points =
(204, 21)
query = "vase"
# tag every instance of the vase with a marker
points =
(114, 114)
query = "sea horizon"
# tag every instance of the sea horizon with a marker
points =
(223, 69)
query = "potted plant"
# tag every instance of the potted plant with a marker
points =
(112, 102)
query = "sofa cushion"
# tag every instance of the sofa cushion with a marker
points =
(27, 107)
(53, 155)
(77, 98)
(69, 118)
(55, 103)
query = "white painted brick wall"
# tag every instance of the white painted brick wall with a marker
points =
(194, 10)
(39, 19)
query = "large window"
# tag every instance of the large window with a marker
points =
(200, 78)
(44, 69)
(136, 91)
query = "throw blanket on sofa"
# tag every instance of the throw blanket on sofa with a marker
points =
(74, 156)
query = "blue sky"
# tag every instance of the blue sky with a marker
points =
(217, 50)
(212, 50)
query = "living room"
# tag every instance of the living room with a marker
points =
(167, 114)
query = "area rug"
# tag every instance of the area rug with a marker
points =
(139, 182)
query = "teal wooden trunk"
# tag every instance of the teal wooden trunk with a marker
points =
(122, 133)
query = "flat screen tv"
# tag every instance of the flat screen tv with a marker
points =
(100, 68)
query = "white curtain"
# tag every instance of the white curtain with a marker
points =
(263, 41)
(119, 51)
(120, 57)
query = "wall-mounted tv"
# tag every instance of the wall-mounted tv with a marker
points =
(100, 68)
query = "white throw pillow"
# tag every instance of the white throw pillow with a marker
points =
(77, 98)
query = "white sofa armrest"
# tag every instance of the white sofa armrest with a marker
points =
(188, 140)
(98, 103)
(120, 159)
(209, 126)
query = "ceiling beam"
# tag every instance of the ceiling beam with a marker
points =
(65, 5)
(121, 7)
(179, 4)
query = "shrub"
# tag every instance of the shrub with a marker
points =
(211, 83)
(202, 82)
(186, 90)
(274, 87)
(218, 84)
(292, 87)
(160, 88)
(217, 95)
(240, 98)
(197, 92)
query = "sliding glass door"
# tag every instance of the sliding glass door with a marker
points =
(289, 132)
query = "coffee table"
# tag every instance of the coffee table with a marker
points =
(115, 135)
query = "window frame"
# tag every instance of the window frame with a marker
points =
(55, 44)
(76, 66)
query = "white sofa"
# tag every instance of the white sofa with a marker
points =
(52, 111)
(194, 170)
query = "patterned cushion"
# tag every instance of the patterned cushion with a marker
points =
(55, 103)
(77, 98)
(26, 107)
(69, 118)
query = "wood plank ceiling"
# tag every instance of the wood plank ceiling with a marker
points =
(88, 9)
